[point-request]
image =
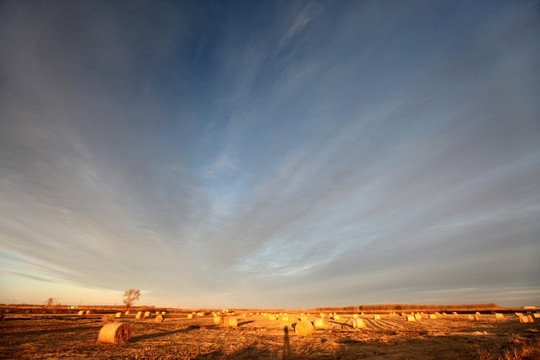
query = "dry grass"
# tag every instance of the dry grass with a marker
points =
(392, 337)
(517, 348)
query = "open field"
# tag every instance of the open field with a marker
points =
(70, 336)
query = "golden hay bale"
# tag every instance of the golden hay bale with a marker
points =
(355, 316)
(376, 317)
(159, 318)
(477, 313)
(417, 317)
(127, 312)
(163, 313)
(284, 318)
(107, 318)
(139, 315)
(432, 317)
(337, 317)
(454, 313)
(218, 320)
(518, 314)
(303, 317)
(319, 323)
(147, 314)
(523, 319)
(536, 315)
(114, 333)
(358, 324)
(88, 312)
(411, 318)
(322, 315)
(303, 328)
(470, 317)
(230, 322)
(272, 317)
(157, 313)
(499, 316)
(80, 313)
(118, 315)
(190, 316)
(530, 318)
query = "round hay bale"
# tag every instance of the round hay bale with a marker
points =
(523, 319)
(272, 317)
(159, 318)
(303, 317)
(470, 317)
(303, 328)
(139, 315)
(218, 320)
(355, 316)
(114, 333)
(88, 312)
(284, 318)
(147, 314)
(319, 323)
(358, 324)
(376, 317)
(499, 316)
(118, 315)
(417, 317)
(126, 313)
(411, 318)
(432, 317)
(80, 313)
(107, 318)
(231, 322)
(337, 317)
(163, 313)
(190, 316)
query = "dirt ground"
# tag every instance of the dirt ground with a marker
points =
(70, 336)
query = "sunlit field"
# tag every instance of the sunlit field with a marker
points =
(37, 333)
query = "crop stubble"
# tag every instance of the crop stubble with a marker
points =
(258, 337)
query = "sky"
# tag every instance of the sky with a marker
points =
(270, 154)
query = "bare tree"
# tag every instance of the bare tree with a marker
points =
(50, 302)
(130, 296)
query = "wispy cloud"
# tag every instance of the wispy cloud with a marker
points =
(329, 149)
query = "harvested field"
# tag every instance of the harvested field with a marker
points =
(35, 336)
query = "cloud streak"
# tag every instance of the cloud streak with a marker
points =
(271, 155)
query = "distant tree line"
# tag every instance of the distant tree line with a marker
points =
(409, 307)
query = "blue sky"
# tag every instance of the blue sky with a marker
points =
(270, 154)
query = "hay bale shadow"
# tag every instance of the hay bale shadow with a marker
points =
(163, 333)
